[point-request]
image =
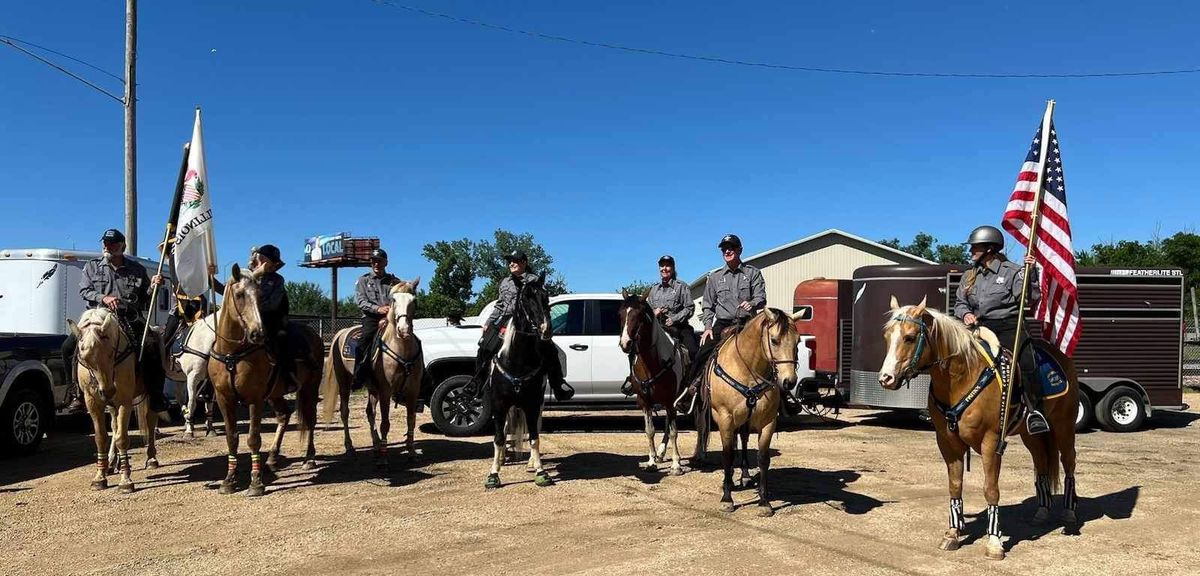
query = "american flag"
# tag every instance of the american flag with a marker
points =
(1058, 308)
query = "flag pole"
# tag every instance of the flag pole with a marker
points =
(1034, 220)
(162, 253)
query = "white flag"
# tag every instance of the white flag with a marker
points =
(194, 239)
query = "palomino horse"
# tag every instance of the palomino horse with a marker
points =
(966, 411)
(656, 368)
(396, 366)
(106, 372)
(742, 388)
(240, 370)
(517, 379)
(190, 368)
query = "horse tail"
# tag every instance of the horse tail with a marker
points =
(520, 430)
(330, 382)
(1053, 467)
(703, 422)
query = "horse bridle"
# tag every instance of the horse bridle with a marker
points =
(770, 359)
(524, 315)
(666, 364)
(911, 371)
(119, 357)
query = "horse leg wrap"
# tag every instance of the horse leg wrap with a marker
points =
(993, 514)
(102, 461)
(1043, 490)
(956, 514)
(1069, 497)
(232, 464)
(255, 464)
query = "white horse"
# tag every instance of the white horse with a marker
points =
(192, 370)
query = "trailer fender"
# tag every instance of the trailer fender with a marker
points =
(1098, 387)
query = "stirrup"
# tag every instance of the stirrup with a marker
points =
(563, 391)
(1035, 423)
(627, 388)
(686, 401)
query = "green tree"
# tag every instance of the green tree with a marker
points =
(308, 299)
(1183, 250)
(434, 305)
(454, 271)
(491, 267)
(1131, 253)
(925, 246)
(951, 254)
(637, 287)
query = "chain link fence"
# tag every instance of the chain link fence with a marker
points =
(1191, 355)
(327, 329)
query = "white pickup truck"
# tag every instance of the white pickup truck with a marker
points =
(586, 332)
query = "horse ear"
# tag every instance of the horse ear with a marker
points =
(237, 273)
(624, 294)
(416, 282)
(73, 328)
(895, 303)
(921, 306)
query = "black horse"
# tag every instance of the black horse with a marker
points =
(518, 378)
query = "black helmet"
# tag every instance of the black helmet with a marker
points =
(378, 254)
(730, 240)
(666, 259)
(111, 236)
(516, 256)
(270, 252)
(986, 235)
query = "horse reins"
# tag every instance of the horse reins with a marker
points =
(647, 385)
(752, 394)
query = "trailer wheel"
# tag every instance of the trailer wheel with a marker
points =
(1121, 410)
(1083, 417)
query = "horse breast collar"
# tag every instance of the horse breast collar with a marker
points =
(406, 364)
(998, 368)
(752, 394)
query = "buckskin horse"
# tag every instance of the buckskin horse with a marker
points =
(106, 371)
(964, 404)
(656, 368)
(517, 379)
(241, 371)
(396, 365)
(741, 394)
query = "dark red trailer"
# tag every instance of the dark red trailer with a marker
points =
(825, 325)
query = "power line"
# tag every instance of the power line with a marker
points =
(749, 63)
(13, 45)
(67, 56)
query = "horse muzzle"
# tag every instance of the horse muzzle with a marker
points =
(889, 381)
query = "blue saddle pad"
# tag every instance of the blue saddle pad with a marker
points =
(181, 336)
(1053, 377)
(351, 344)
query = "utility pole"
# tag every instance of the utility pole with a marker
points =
(131, 126)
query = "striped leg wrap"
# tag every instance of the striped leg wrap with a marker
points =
(1043, 490)
(255, 463)
(1069, 497)
(101, 460)
(124, 458)
(993, 521)
(956, 514)
(232, 463)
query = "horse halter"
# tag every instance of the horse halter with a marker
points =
(241, 320)
(912, 369)
(119, 357)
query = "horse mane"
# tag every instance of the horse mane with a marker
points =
(101, 316)
(949, 334)
(403, 287)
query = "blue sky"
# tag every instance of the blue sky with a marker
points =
(348, 115)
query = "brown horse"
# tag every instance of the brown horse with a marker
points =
(656, 368)
(241, 371)
(741, 389)
(966, 411)
(106, 372)
(396, 365)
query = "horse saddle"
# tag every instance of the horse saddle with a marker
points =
(350, 345)
(1052, 376)
(178, 340)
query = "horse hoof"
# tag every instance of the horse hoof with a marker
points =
(493, 482)
(227, 487)
(676, 471)
(100, 484)
(309, 465)
(728, 507)
(1069, 518)
(995, 550)
(949, 544)
(543, 480)
(765, 511)
(152, 464)
(191, 434)
(647, 466)
(1041, 516)
(125, 488)
(256, 490)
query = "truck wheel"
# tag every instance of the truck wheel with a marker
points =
(455, 415)
(23, 421)
(1083, 417)
(1121, 410)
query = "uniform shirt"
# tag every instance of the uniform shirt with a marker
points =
(272, 296)
(374, 291)
(726, 288)
(508, 297)
(996, 292)
(128, 282)
(675, 297)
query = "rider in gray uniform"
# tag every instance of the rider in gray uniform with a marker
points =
(989, 295)
(119, 283)
(489, 344)
(672, 304)
(373, 294)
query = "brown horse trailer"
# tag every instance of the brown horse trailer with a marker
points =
(1129, 356)
(823, 318)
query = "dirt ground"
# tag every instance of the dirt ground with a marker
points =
(865, 495)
